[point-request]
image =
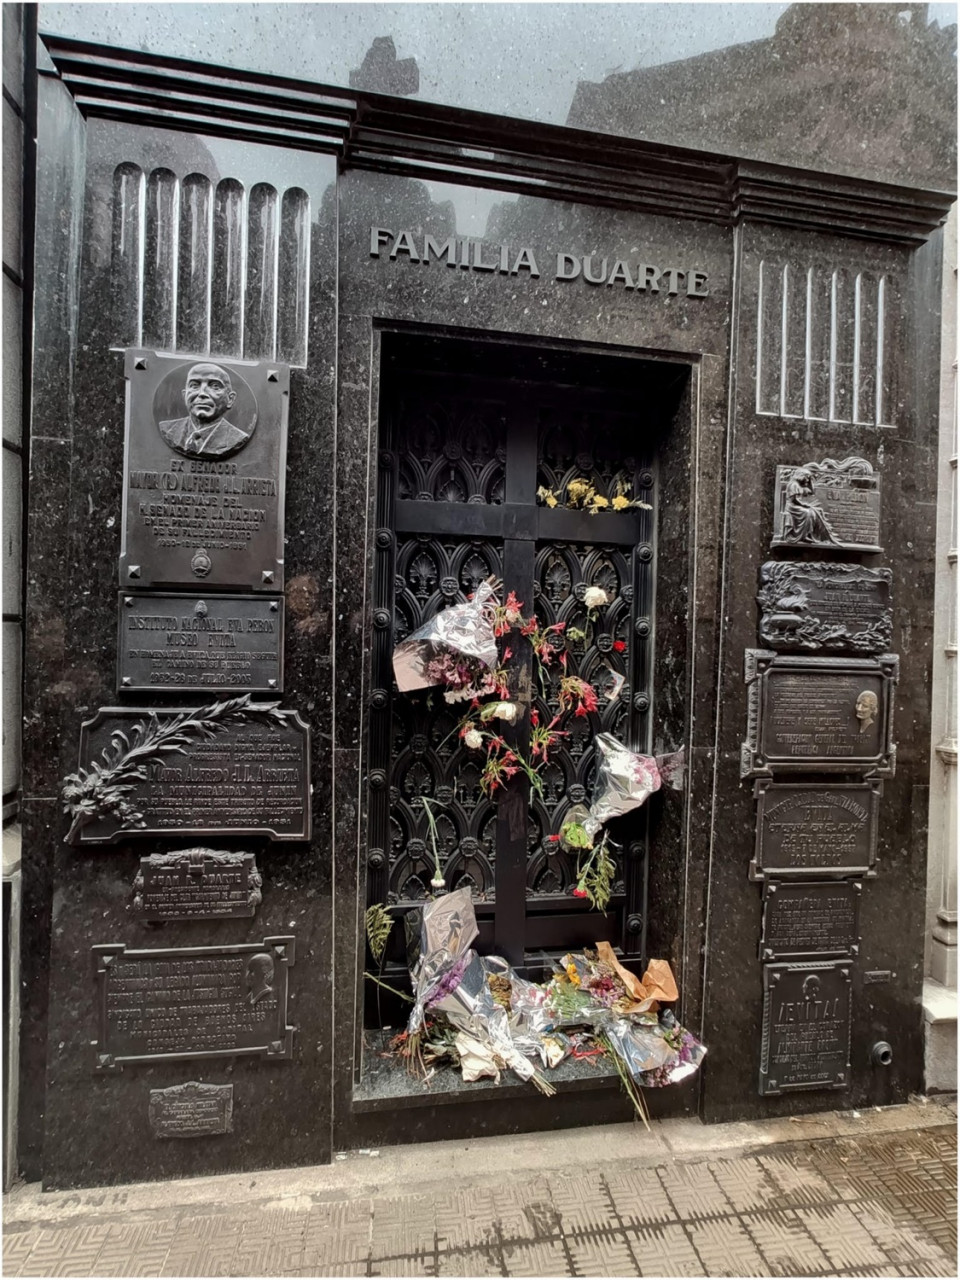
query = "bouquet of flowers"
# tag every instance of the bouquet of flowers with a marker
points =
(456, 649)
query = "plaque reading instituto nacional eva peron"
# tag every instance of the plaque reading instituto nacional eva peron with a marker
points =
(168, 1003)
(234, 767)
(818, 829)
(823, 715)
(210, 642)
(204, 466)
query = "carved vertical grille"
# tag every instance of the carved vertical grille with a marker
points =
(487, 452)
(200, 267)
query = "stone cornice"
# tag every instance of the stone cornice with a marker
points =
(396, 135)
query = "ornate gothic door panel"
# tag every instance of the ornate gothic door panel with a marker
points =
(457, 500)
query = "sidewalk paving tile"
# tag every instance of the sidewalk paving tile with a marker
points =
(797, 1183)
(337, 1232)
(901, 1243)
(665, 1251)
(16, 1249)
(135, 1244)
(639, 1198)
(470, 1262)
(404, 1225)
(460, 1225)
(785, 1244)
(603, 1256)
(693, 1191)
(840, 1235)
(725, 1248)
(541, 1258)
(745, 1183)
(582, 1204)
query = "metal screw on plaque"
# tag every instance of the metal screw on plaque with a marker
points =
(272, 375)
(125, 680)
(376, 859)
(379, 699)
(271, 682)
(634, 924)
(133, 571)
(645, 552)
(140, 363)
(642, 627)
(381, 618)
(378, 779)
(128, 601)
(266, 575)
(641, 702)
(274, 606)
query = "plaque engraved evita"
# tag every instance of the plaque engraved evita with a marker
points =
(805, 1042)
(828, 504)
(191, 1110)
(211, 642)
(836, 607)
(828, 715)
(170, 1003)
(204, 466)
(816, 829)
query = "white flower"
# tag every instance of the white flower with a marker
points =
(594, 597)
(473, 738)
(505, 711)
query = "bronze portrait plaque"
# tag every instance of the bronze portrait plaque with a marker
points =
(828, 504)
(815, 918)
(841, 608)
(191, 1110)
(197, 884)
(231, 768)
(204, 467)
(805, 1043)
(213, 642)
(824, 715)
(164, 1004)
(815, 829)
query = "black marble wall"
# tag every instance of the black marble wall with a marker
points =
(727, 429)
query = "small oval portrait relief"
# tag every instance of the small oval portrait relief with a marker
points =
(204, 411)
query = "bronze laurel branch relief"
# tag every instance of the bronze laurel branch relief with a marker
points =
(103, 788)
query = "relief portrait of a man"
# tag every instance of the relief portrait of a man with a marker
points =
(206, 431)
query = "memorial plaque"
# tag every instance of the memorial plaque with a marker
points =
(165, 1004)
(824, 715)
(191, 1110)
(817, 917)
(828, 504)
(197, 884)
(805, 1042)
(204, 467)
(215, 643)
(231, 768)
(838, 607)
(809, 829)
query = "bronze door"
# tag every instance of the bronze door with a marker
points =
(459, 468)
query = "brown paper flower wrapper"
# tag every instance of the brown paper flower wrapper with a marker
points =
(656, 984)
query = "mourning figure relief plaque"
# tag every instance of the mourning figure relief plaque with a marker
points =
(815, 918)
(204, 465)
(234, 767)
(191, 1110)
(828, 504)
(836, 607)
(819, 829)
(824, 715)
(197, 884)
(805, 1042)
(211, 642)
(170, 1003)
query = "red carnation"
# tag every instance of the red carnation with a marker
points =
(619, 646)
(579, 893)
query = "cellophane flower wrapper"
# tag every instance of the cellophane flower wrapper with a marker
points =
(624, 781)
(448, 926)
(461, 636)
